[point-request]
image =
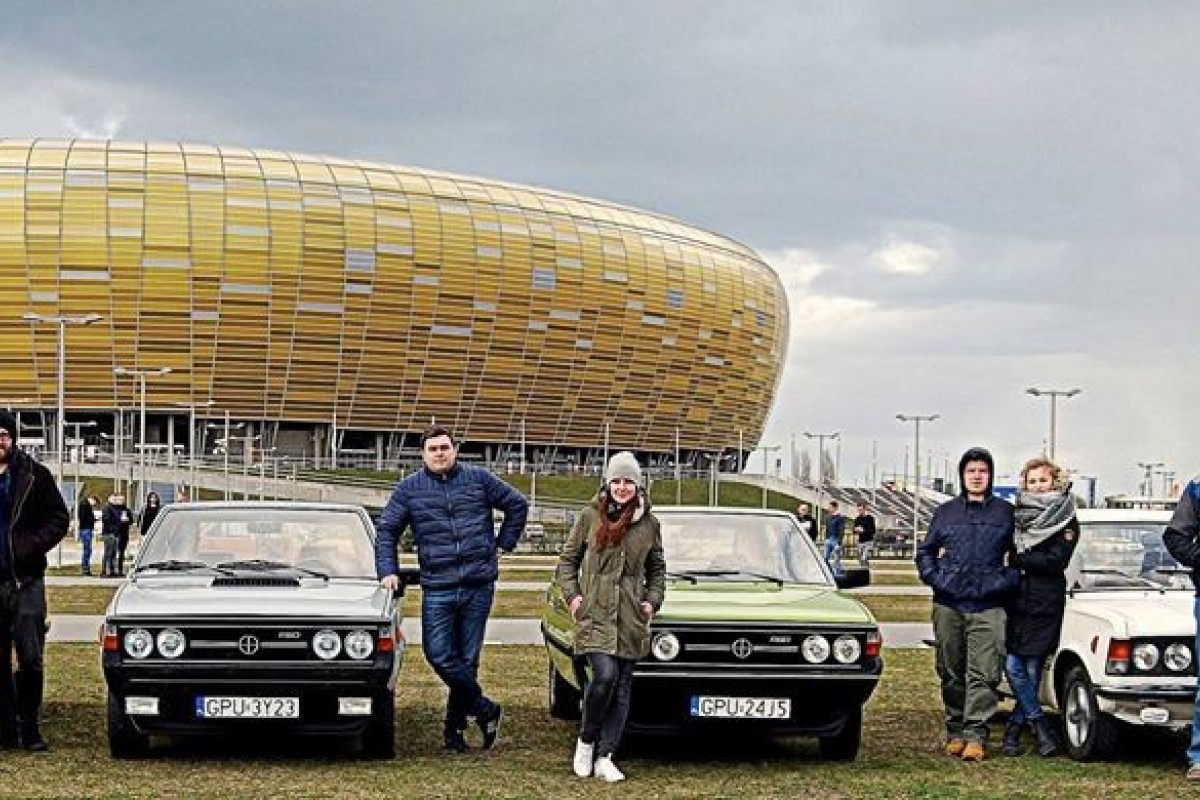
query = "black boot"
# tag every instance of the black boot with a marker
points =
(30, 685)
(1011, 745)
(1047, 738)
(8, 713)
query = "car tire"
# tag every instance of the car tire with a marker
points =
(1088, 733)
(566, 702)
(844, 745)
(123, 740)
(379, 739)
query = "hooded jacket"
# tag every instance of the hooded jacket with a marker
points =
(1182, 536)
(451, 519)
(39, 518)
(962, 558)
(614, 582)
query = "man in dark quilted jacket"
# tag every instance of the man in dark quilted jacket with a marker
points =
(449, 507)
(963, 559)
(1182, 538)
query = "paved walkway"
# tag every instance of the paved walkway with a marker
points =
(84, 628)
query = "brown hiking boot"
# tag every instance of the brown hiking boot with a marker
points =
(973, 751)
(954, 746)
(1193, 773)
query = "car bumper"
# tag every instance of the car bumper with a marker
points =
(1163, 706)
(662, 701)
(330, 697)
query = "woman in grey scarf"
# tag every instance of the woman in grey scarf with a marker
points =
(1046, 534)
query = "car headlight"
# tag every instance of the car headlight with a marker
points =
(171, 643)
(665, 646)
(846, 649)
(1177, 657)
(359, 645)
(139, 643)
(327, 644)
(1145, 656)
(815, 648)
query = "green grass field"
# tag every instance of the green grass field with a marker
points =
(900, 758)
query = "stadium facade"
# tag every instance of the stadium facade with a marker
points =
(329, 303)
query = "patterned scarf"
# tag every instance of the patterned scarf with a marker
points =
(1041, 515)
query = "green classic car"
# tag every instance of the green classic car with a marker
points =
(755, 635)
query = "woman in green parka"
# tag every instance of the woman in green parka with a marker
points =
(612, 573)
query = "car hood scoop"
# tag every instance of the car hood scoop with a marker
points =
(272, 581)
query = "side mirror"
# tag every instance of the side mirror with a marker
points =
(853, 577)
(409, 576)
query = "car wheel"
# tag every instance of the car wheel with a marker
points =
(123, 740)
(1090, 734)
(843, 745)
(566, 702)
(379, 739)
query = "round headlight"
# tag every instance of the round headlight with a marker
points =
(1145, 656)
(359, 645)
(846, 649)
(1177, 657)
(171, 643)
(815, 648)
(139, 643)
(327, 644)
(665, 646)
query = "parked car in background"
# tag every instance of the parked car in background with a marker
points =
(1126, 657)
(254, 619)
(754, 636)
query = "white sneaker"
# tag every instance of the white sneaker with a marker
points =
(606, 770)
(584, 753)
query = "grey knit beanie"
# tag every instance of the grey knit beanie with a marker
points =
(623, 465)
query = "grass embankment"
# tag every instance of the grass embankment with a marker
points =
(901, 755)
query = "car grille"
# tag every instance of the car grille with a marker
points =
(247, 644)
(757, 646)
(264, 581)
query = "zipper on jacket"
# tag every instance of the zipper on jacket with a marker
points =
(12, 523)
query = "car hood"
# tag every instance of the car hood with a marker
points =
(760, 602)
(195, 596)
(1138, 613)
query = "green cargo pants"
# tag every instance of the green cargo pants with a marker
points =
(970, 656)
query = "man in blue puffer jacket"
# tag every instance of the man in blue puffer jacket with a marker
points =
(963, 559)
(1182, 538)
(449, 506)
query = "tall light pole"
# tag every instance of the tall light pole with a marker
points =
(62, 321)
(821, 437)
(917, 419)
(1149, 467)
(191, 407)
(141, 375)
(224, 444)
(91, 423)
(767, 450)
(1053, 394)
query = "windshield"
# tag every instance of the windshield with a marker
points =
(1125, 555)
(329, 542)
(739, 547)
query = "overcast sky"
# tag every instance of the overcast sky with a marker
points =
(963, 199)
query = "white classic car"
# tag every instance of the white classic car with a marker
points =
(1126, 653)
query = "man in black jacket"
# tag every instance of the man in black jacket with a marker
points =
(1182, 538)
(963, 559)
(33, 519)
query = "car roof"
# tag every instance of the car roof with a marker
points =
(1123, 515)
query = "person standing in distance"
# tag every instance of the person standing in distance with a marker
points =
(613, 576)
(1182, 539)
(33, 520)
(807, 523)
(962, 559)
(835, 526)
(449, 508)
(864, 529)
(86, 517)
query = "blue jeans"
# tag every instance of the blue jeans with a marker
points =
(85, 540)
(1193, 751)
(833, 554)
(453, 622)
(1025, 676)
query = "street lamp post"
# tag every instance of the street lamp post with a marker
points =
(1149, 467)
(821, 437)
(62, 321)
(1053, 394)
(917, 419)
(75, 504)
(767, 450)
(141, 375)
(191, 407)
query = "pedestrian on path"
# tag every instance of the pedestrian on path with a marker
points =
(149, 513)
(117, 519)
(1182, 539)
(864, 531)
(835, 527)
(86, 520)
(613, 576)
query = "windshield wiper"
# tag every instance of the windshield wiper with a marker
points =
(762, 577)
(1123, 574)
(683, 575)
(266, 566)
(178, 565)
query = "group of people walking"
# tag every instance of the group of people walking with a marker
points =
(998, 574)
(115, 520)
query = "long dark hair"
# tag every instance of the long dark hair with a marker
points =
(615, 520)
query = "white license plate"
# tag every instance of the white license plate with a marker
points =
(248, 707)
(742, 707)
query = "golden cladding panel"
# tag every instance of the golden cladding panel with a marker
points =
(294, 287)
